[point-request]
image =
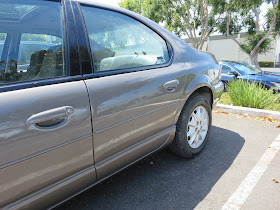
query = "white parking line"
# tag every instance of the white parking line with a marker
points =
(238, 198)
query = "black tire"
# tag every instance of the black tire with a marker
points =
(180, 145)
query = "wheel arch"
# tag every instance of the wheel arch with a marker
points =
(203, 90)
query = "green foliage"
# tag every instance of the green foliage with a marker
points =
(148, 8)
(245, 16)
(269, 16)
(234, 26)
(266, 63)
(276, 105)
(225, 99)
(248, 94)
(34, 37)
(252, 40)
(176, 15)
(250, 24)
(3, 36)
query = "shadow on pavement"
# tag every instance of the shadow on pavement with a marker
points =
(163, 180)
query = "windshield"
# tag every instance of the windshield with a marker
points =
(246, 69)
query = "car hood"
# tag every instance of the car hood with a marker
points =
(265, 77)
(271, 73)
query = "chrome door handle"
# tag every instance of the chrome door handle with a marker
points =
(171, 86)
(52, 115)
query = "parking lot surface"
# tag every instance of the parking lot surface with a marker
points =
(165, 181)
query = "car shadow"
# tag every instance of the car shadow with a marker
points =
(163, 180)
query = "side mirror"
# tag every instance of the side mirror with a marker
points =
(233, 73)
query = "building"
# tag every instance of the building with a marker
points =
(225, 48)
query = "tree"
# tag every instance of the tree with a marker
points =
(245, 16)
(195, 18)
(269, 16)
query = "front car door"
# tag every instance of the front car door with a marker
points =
(134, 90)
(45, 121)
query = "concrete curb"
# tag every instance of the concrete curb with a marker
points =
(250, 111)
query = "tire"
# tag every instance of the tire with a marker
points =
(192, 131)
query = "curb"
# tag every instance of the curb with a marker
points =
(250, 111)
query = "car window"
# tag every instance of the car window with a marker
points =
(35, 50)
(2, 42)
(246, 69)
(226, 69)
(118, 41)
(31, 44)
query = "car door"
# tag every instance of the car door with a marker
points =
(45, 121)
(134, 90)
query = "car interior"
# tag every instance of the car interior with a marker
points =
(123, 42)
(25, 33)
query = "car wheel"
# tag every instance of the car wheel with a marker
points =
(193, 127)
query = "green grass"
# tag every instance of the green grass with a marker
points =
(253, 95)
(225, 99)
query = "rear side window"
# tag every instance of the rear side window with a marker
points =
(119, 42)
(35, 48)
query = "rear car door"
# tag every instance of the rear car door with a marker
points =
(134, 89)
(45, 121)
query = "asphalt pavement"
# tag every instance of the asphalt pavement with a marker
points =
(165, 181)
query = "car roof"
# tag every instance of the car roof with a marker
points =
(109, 7)
(229, 62)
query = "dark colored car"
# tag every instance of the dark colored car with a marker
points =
(110, 88)
(237, 70)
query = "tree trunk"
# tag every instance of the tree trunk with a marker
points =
(254, 61)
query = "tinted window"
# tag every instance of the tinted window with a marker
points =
(246, 69)
(35, 49)
(118, 41)
(2, 42)
(226, 69)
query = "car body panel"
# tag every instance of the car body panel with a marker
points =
(202, 71)
(264, 77)
(119, 117)
(124, 104)
(129, 108)
(29, 158)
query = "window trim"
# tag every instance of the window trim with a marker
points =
(38, 83)
(83, 41)
(6, 47)
(94, 74)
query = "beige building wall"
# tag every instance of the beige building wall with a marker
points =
(277, 50)
(226, 49)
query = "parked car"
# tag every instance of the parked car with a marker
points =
(115, 89)
(237, 70)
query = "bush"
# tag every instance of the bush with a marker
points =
(266, 63)
(248, 94)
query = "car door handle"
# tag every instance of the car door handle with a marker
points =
(171, 86)
(50, 118)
